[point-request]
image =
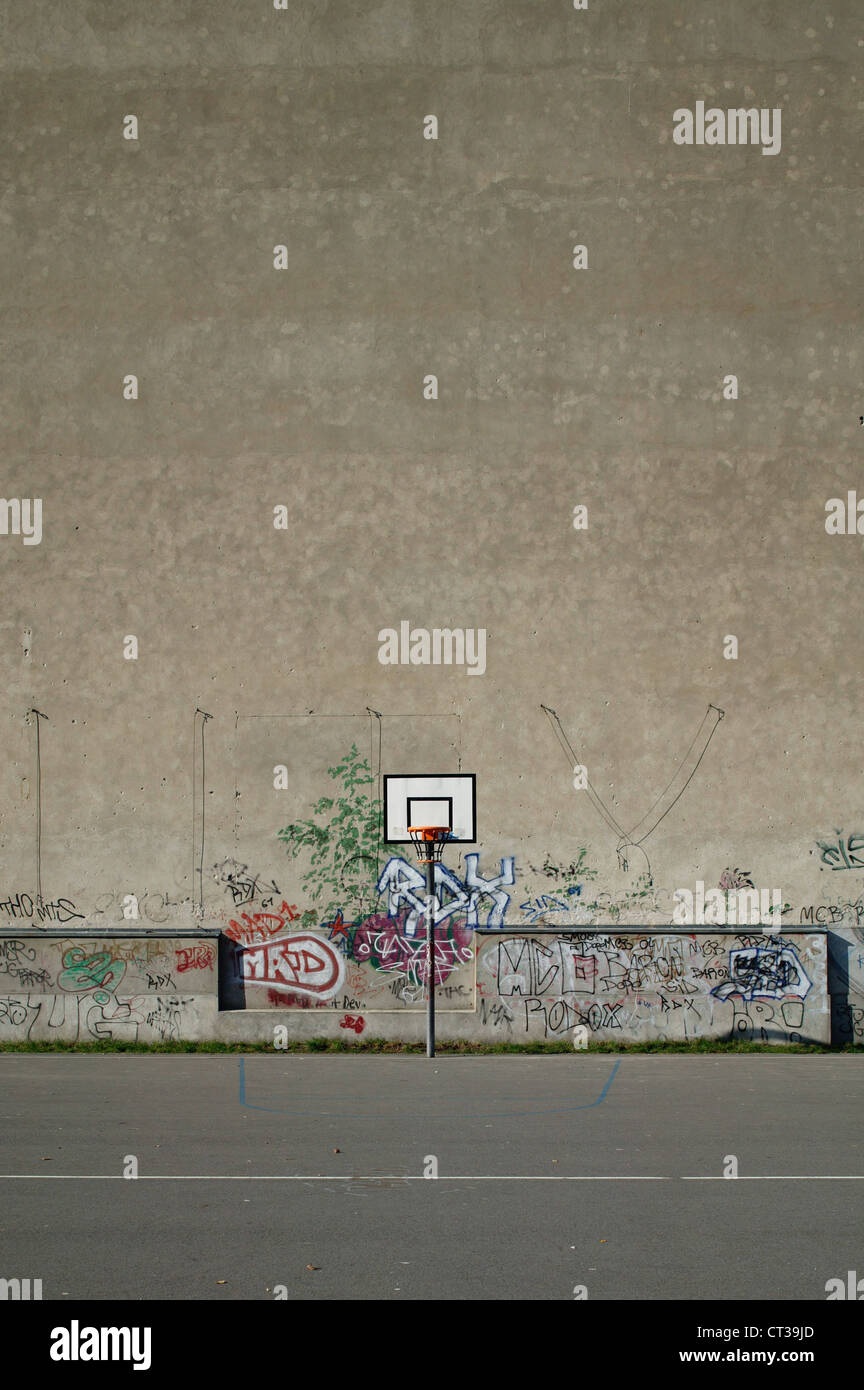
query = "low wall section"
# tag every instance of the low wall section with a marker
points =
(491, 986)
(92, 986)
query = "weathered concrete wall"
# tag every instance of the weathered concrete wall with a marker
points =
(490, 986)
(301, 388)
(94, 988)
(645, 987)
(493, 986)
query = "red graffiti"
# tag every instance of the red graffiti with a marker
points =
(198, 957)
(339, 928)
(585, 968)
(277, 1000)
(349, 1021)
(381, 941)
(261, 925)
(299, 964)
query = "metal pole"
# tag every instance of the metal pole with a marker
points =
(39, 715)
(38, 816)
(430, 958)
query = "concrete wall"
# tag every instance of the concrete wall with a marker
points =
(261, 388)
(491, 986)
(141, 987)
(618, 986)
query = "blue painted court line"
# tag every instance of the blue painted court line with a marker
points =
(430, 1115)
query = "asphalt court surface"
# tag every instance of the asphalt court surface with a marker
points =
(553, 1172)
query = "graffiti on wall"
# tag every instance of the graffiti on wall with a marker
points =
(33, 907)
(12, 1011)
(371, 964)
(17, 962)
(259, 926)
(832, 914)
(731, 880)
(243, 885)
(152, 906)
(387, 946)
(68, 1017)
(405, 885)
(842, 853)
(651, 986)
(86, 991)
(197, 957)
(538, 908)
(83, 972)
(759, 972)
(300, 964)
(355, 1024)
(342, 843)
(344, 851)
(165, 1018)
(373, 919)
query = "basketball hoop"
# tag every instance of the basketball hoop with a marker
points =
(429, 842)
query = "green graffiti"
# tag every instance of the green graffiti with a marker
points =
(99, 972)
(345, 849)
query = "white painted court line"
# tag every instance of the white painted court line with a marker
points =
(419, 1177)
(321, 1177)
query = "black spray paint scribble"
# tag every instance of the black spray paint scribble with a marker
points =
(630, 840)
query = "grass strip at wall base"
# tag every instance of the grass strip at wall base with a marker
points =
(390, 1047)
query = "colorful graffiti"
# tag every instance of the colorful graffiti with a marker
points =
(387, 946)
(69, 989)
(660, 985)
(379, 964)
(758, 972)
(98, 972)
(299, 964)
(260, 926)
(197, 957)
(406, 886)
(355, 1024)
(619, 985)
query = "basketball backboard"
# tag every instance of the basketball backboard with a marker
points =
(430, 799)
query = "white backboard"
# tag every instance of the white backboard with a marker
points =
(430, 799)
